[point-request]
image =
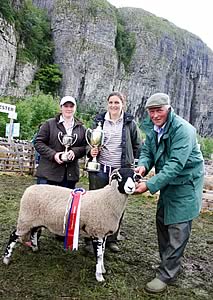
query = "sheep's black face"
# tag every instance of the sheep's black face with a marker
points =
(126, 178)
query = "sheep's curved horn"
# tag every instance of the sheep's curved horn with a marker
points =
(138, 177)
(115, 175)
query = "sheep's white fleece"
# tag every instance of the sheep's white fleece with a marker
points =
(45, 205)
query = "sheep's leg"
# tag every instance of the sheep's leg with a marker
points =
(98, 250)
(34, 236)
(10, 246)
(103, 250)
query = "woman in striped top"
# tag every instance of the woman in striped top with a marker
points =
(121, 146)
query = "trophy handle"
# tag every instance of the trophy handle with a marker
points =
(102, 140)
(75, 137)
(86, 136)
(59, 137)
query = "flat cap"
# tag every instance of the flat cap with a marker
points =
(157, 100)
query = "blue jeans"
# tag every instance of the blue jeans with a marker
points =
(41, 180)
(65, 183)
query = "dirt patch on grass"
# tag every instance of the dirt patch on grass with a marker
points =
(53, 273)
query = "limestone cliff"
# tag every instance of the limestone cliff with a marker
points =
(14, 76)
(166, 59)
(8, 46)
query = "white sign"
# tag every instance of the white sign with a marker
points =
(7, 108)
(15, 129)
(12, 115)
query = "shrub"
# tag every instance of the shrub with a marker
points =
(7, 11)
(206, 146)
(48, 79)
(125, 44)
(86, 114)
(33, 27)
(3, 121)
(31, 111)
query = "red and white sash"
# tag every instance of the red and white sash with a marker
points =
(72, 226)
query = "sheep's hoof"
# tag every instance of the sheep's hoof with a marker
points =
(99, 277)
(6, 260)
(34, 249)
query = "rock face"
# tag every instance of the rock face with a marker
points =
(8, 47)
(85, 49)
(166, 59)
(22, 78)
(14, 76)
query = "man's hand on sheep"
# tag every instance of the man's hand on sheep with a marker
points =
(141, 187)
(141, 184)
(141, 170)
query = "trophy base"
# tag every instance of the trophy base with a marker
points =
(93, 166)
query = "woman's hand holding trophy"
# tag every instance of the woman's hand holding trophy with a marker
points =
(67, 141)
(57, 157)
(94, 151)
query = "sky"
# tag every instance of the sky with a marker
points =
(194, 16)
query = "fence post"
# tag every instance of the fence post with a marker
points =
(12, 116)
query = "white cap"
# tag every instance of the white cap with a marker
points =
(67, 99)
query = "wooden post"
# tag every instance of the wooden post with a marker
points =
(10, 135)
(12, 116)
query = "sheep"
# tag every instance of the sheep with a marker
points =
(4, 154)
(208, 182)
(3, 151)
(100, 212)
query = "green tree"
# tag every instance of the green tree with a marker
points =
(125, 44)
(7, 10)
(33, 27)
(86, 114)
(43, 108)
(33, 111)
(206, 146)
(24, 117)
(48, 78)
(3, 121)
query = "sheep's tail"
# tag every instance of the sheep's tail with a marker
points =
(69, 202)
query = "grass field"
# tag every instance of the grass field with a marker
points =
(53, 273)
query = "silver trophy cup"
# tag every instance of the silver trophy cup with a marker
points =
(67, 141)
(95, 138)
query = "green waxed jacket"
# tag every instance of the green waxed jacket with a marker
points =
(179, 168)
